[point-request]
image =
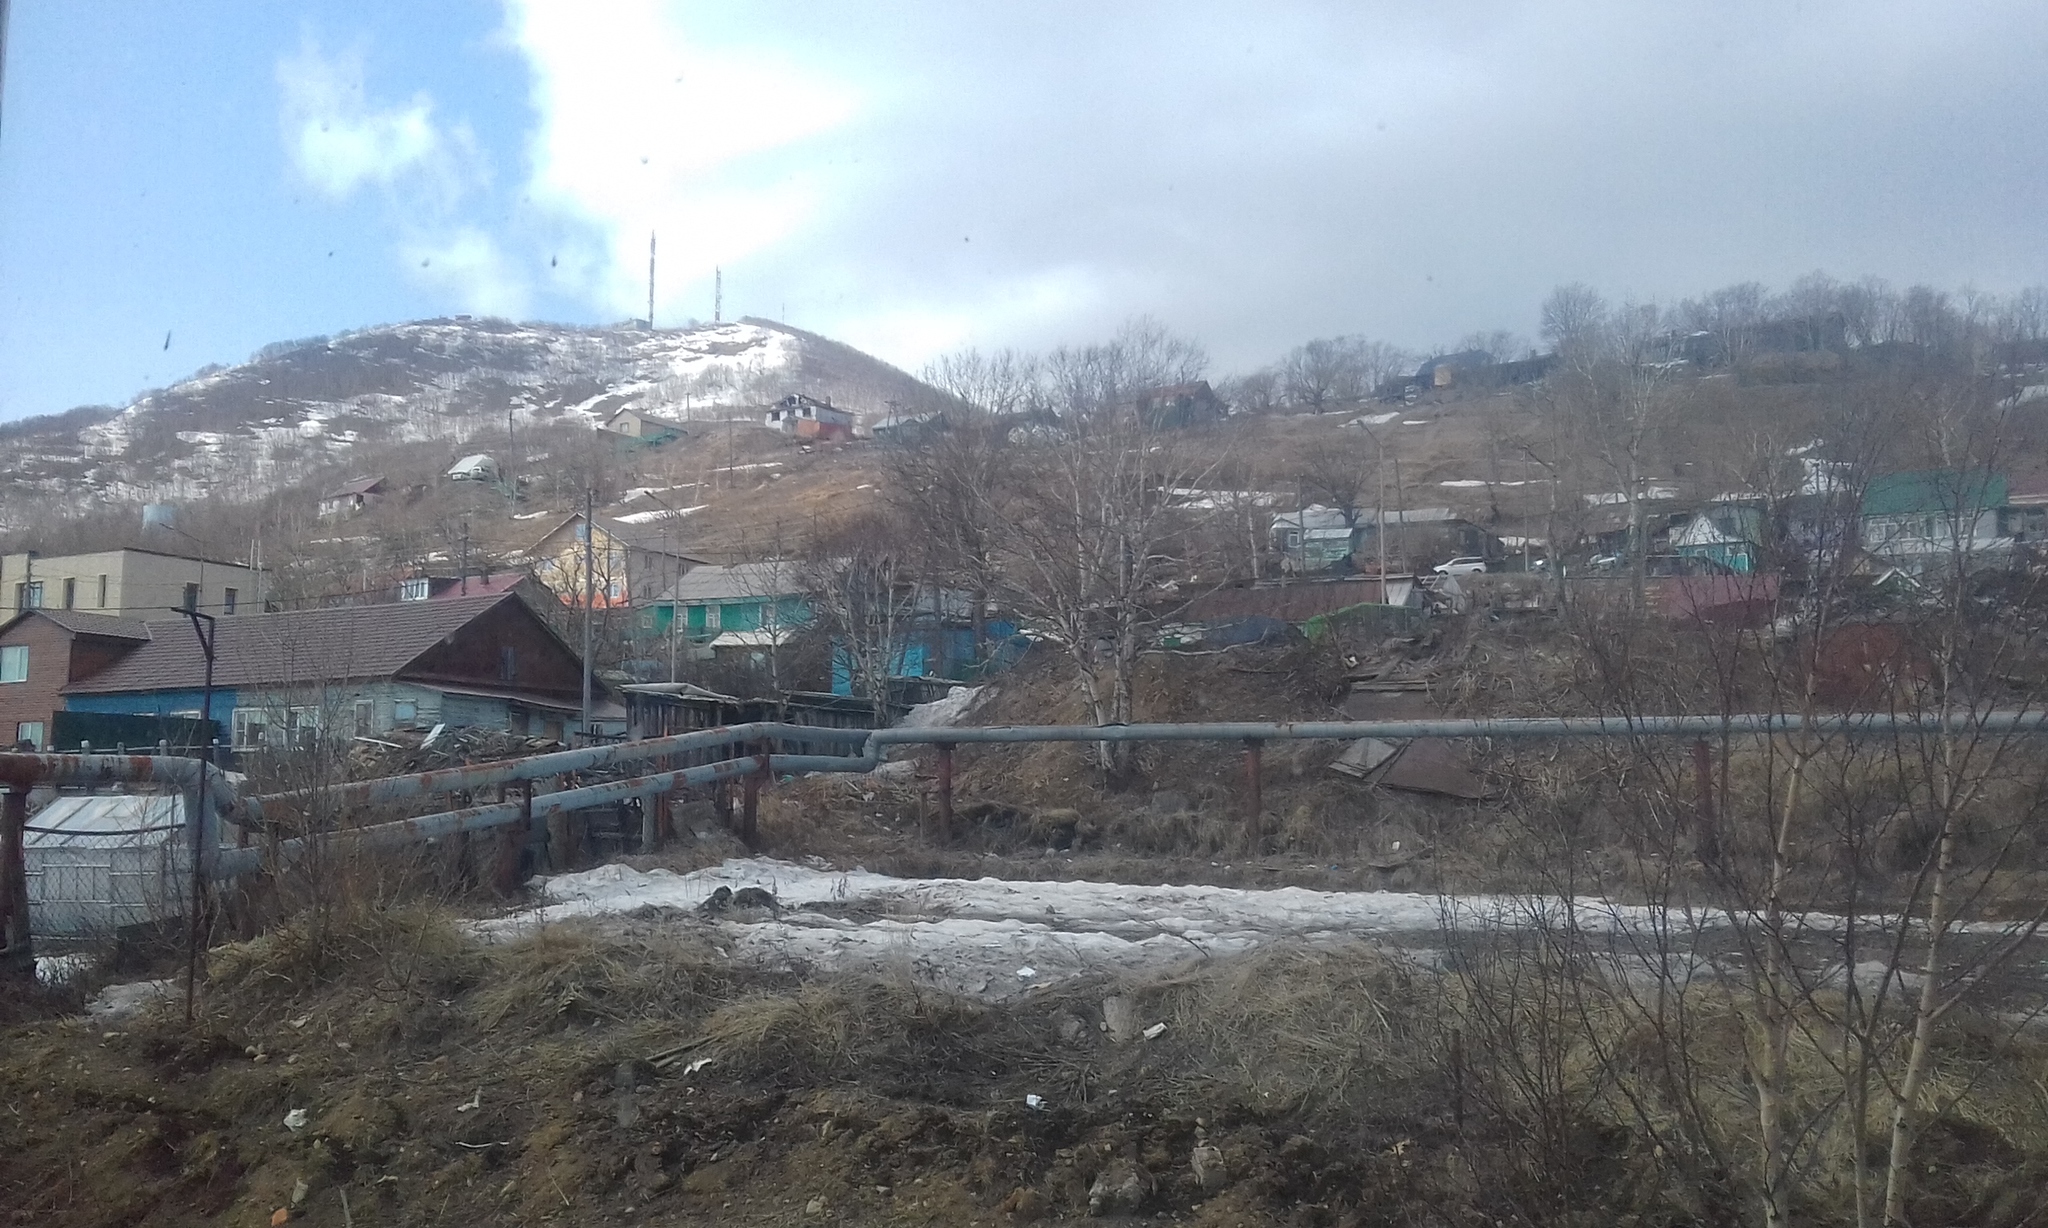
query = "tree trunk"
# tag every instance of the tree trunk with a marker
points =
(1906, 1110)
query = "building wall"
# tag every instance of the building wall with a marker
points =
(558, 563)
(138, 585)
(1921, 536)
(384, 704)
(155, 703)
(476, 656)
(49, 664)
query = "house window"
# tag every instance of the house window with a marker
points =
(250, 728)
(227, 602)
(30, 732)
(301, 727)
(190, 601)
(508, 664)
(14, 663)
(29, 595)
(70, 593)
(711, 618)
(418, 589)
(366, 718)
(103, 592)
(405, 712)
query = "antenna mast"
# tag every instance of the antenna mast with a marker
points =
(650, 281)
(717, 295)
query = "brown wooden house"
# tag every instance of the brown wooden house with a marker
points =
(44, 651)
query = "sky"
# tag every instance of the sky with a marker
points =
(184, 181)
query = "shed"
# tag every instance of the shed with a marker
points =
(351, 497)
(98, 864)
(476, 467)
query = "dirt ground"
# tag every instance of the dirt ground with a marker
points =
(390, 1072)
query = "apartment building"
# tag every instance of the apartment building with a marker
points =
(127, 583)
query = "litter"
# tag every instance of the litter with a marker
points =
(1154, 1032)
(295, 1120)
(475, 1102)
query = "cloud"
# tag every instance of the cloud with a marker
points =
(338, 142)
(469, 264)
(641, 128)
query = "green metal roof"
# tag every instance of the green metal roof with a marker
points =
(1933, 491)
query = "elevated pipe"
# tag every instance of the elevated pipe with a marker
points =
(91, 771)
(1854, 724)
(505, 771)
(232, 863)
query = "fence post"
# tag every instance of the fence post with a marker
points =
(945, 793)
(512, 841)
(1253, 801)
(1707, 839)
(17, 957)
(650, 826)
(750, 831)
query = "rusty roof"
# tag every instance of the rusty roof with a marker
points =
(301, 646)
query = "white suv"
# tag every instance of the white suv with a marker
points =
(1462, 566)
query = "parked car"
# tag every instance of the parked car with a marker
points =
(1464, 566)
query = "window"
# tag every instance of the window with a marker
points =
(366, 718)
(251, 728)
(508, 664)
(416, 589)
(103, 592)
(29, 596)
(190, 601)
(70, 593)
(227, 603)
(30, 732)
(711, 618)
(405, 712)
(301, 727)
(14, 663)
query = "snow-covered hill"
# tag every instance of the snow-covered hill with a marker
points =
(299, 407)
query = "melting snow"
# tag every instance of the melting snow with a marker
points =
(969, 936)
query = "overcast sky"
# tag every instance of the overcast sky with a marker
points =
(182, 181)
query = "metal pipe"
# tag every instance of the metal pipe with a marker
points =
(945, 793)
(1855, 723)
(505, 771)
(85, 771)
(538, 809)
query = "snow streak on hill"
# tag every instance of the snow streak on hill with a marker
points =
(301, 408)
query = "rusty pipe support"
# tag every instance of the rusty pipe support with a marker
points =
(17, 955)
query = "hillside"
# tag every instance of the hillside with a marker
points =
(306, 409)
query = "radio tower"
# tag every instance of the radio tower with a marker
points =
(717, 295)
(650, 281)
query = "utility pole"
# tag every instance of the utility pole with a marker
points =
(650, 281)
(589, 598)
(717, 295)
(463, 577)
(198, 801)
